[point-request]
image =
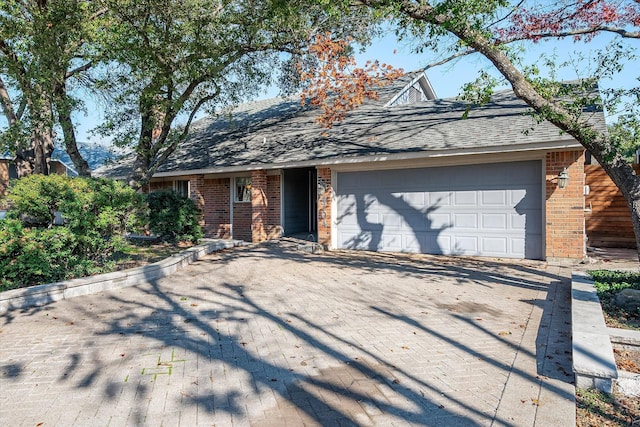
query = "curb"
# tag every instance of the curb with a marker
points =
(36, 296)
(593, 361)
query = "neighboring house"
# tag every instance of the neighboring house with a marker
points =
(95, 154)
(8, 171)
(405, 173)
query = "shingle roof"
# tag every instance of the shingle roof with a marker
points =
(280, 132)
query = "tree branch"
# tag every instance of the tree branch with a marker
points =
(7, 105)
(577, 32)
(450, 58)
(79, 69)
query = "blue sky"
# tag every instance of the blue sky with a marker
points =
(447, 79)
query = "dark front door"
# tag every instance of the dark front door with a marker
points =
(300, 204)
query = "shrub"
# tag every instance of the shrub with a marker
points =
(173, 217)
(96, 213)
(35, 199)
(34, 255)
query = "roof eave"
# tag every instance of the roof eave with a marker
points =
(526, 147)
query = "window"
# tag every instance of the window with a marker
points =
(181, 187)
(13, 172)
(243, 189)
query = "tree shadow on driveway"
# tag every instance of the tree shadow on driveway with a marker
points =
(337, 339)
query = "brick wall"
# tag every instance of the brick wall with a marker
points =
(255, 221)
(273, 227)
(565, 217)
(259, 205)
(196, 191)
(324, 207)
(242, 221)
(217, 218)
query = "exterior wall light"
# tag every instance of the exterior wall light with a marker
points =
(563, 179)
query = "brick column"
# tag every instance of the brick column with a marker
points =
(196, 193)
(324, 206)
(274, 224)
(259, 205)
(196, 190)
(565, 229)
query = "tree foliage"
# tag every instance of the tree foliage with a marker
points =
(44, 51)
(171, 60)
(336, 85)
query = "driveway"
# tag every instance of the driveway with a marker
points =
(271, 336)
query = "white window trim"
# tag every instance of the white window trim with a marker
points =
(176, 188)
(235, 189)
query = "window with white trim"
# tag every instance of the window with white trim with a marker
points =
(181, 187)
(243, 189)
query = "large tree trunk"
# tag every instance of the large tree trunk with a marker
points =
(68, 132)
(36, 159)
(144, 152)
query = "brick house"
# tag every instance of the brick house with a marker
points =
(404, 173)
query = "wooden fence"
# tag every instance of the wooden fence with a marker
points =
(607, 220)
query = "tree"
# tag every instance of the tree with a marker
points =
(43, 51)
(172, 59)
(488, 27)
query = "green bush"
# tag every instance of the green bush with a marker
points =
(34, 255)
(96, 212)
(36, 198)
(609, 282)
(173, 217)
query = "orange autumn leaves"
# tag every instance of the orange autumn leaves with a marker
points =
(338, 86)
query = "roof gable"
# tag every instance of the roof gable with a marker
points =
(417, 90)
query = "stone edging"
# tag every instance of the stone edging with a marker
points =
(35, 296)
(593, 361)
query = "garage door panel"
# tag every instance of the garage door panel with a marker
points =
(465, 245)
(414, 221)
(494, 198)
(465, 198)
(466, 220)
(492, 210)
(359, 240)
(413, 242)
(494, 221)
(392, 241)
(392, 221)
(438, 221)
(518, 222)
(415, 199)
(518, 246)
(439, 198)
(495, 245)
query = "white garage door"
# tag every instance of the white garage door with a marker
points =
(486, 210)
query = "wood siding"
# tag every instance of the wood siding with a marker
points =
(608, 224)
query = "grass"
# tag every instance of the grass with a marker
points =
(143, 253)
(608, 283)
(594, 408)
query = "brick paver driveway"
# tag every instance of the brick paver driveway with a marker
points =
(272, 336)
